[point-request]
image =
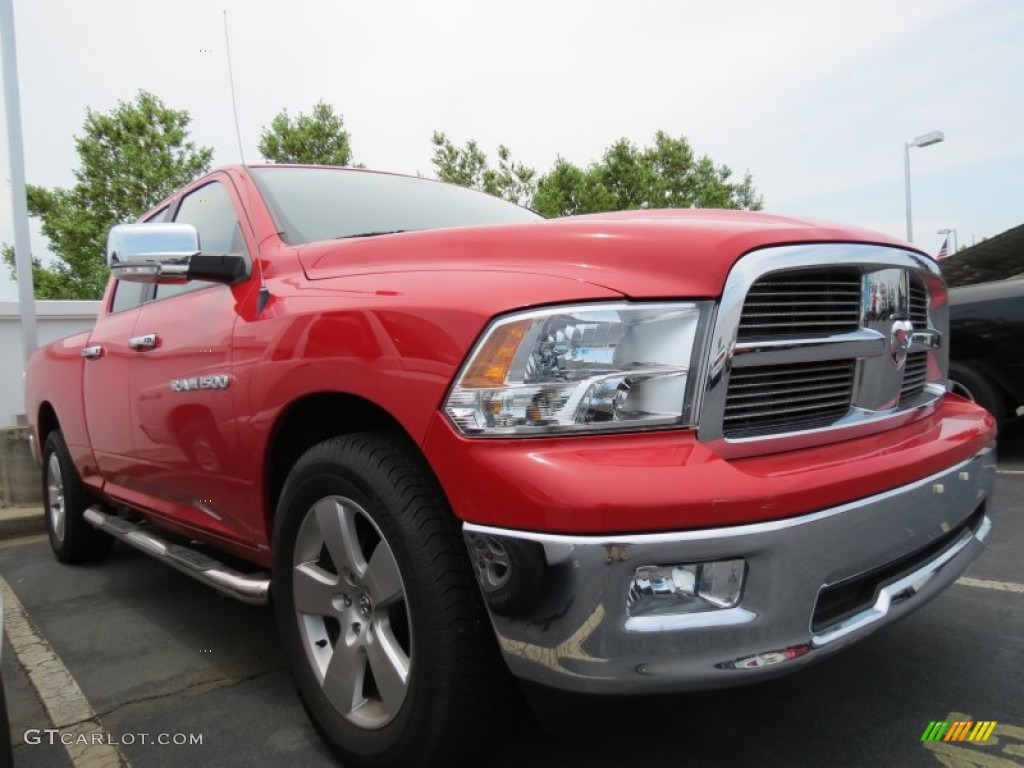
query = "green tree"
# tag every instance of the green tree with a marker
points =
(568, 190)
(665, 175)
(130, 159)
(318, 139)
(468, 166)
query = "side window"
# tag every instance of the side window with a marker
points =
(127, 296)
(131, 295)
(209, 210)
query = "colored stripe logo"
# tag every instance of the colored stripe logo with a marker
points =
(959, 730)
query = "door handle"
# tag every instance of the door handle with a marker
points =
(92, 353)
(142, 343)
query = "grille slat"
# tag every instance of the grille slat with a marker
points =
(771, 328)
(771, 307)
(806, 313)
(797, 377)
(779, 398)
(915, 375)
(801, 302)
(795, 369)
(918, 303)
(800, 298)
(821, 403)
(759, 395)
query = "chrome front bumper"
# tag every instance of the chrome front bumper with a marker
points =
(559, 603)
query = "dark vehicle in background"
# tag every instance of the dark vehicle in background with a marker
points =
(987, 345)
(986, 299)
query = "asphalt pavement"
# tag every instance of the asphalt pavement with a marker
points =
(157, 658)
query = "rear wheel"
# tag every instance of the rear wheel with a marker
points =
(378, 611)
(971, 383)
(65, 500)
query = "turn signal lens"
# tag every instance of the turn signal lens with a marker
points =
(490, 366)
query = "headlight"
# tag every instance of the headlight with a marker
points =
(581, 368)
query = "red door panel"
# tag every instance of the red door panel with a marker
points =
(184, 399)
(107, 401)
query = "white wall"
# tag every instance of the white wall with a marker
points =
(54, 320)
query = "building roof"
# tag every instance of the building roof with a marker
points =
(997, 258)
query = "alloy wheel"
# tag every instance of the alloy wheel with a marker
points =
(55, 497)
(352, 611)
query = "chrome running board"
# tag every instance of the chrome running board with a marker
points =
(249, 588)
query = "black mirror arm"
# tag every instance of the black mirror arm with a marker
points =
(228, 268)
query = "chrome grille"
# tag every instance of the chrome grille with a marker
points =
(809, 351)
(915, 374)
(802, 303)
(782, 398)
(915, 370)
(918, 303)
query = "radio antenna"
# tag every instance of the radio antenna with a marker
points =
(264, 294)
(231, 80)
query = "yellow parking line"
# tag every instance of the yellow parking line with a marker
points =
(21, 541)
(69, 710)
(999, 586)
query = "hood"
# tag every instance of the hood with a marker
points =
(642, 254)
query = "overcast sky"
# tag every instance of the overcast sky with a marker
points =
(815, 98)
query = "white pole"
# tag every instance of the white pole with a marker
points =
(19, 202)
(924, 140)
(906, 191)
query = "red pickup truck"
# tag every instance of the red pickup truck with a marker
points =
(636, 452)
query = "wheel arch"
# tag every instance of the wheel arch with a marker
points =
(309, 420)
(987, 368)
(46, 422)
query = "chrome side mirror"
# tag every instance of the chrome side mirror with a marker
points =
(152, 253)
(169, 253)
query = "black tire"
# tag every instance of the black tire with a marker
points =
(65, 500)
(430, 620)
(976, 386)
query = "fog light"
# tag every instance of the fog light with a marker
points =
(686, 588)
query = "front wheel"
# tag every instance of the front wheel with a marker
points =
(377, 608)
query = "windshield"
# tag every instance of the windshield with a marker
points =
(310, 204)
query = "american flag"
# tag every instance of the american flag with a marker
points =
(944, 250)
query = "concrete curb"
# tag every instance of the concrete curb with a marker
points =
(21, 521)
(21, 481)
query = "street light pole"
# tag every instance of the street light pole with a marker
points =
(924, 140)
(906, 191)
(12, 107)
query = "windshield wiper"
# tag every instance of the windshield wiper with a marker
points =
(371, 234)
